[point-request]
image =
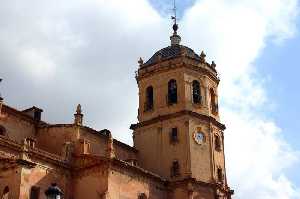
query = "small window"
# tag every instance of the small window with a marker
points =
(5, 194)
(175, 170)
(174, 135)
(142, 196)
(172, 92)
(196, 92)
(2, 131)
(213, 102)
(149, 99)
(220, 175)
(35, 192)
(218, 145)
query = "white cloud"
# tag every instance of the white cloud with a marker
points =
(90, 49)
(235, 33)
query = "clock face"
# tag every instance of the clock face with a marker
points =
(199, 137)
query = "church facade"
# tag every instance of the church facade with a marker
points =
(178, 150)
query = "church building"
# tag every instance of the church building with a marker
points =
(178, 141)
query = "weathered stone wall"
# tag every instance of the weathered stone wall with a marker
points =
(12, 179)
(159, 82)
(42, 176)
(90, 183)
(17, 127)
(157, 152)
(201, 154)
(126, 184)
(52, 138)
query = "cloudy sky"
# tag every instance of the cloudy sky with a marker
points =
(55, 54)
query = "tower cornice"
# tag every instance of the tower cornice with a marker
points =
(178, 114)
(175, 63)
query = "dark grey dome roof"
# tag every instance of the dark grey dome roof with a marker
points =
(171, 52)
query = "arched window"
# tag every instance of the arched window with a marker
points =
(174, 135)
(34, 192)
(220, 174)
(149, 98)
(142, 196)
(213, 102)
(172, 92)
(5, 194)
(218, 145)
(175, 169)
(2, 131)
(196, 92)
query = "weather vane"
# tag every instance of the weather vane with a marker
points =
(174, 10)
(174, 17)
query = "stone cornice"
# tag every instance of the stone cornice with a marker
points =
(178, 114)
(175, 63)
(214, 185)
(138, 170)
(34, 152)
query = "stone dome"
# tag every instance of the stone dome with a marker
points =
(170, 52)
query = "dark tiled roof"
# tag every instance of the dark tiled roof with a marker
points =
(170, 52)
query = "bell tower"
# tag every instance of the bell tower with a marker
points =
(179, 135)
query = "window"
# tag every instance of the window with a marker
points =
(172, 92)
(175, 170)
(2, 131)
(34, 192)
(142, 196)
(218, 146)
(196, 92)
(5, 194)
(220, 175)
(213, 102)
(174, 135)
(149, 98)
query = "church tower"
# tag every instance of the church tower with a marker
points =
(179, 135)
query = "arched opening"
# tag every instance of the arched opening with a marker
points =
(172, 92)
(174, 135)
(213, 102)
(2, 131)
(175, 169)
(149, 98)
(196, 92)
(5, 194)
(34, 192)
(220, 175)
(218, 145)
(142, 196)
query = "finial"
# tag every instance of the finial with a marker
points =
(141, 61)
(110, 152)
(213, 64)
(1, 98)
(202, 57)
(78, 109)
(78, 116)
(175, 39)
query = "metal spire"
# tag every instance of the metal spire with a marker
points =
(174, 10)
(174, 17)
(175, 39)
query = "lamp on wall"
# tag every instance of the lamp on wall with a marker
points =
(53, 192)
